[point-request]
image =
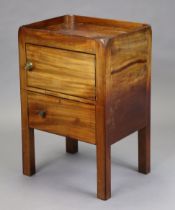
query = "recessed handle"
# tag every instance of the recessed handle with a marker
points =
(42, 114)
(29, 65)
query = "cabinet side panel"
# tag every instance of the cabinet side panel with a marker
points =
(128, 86)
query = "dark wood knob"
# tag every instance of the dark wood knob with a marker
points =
(42, 114)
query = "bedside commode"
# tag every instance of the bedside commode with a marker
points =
(87, 79)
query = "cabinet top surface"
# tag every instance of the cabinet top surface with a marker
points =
(89, 27)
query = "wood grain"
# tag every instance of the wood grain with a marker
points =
(126, 25)
(87, 30)
(144, 135)
(58, 40)
(61, 95)
(128, 84)
(85, 26)
(63, 117)
(91, 82)
(128, 112)
(28, 140)
(103, 150)
(28, 144)
(62, 71)
(128, 50)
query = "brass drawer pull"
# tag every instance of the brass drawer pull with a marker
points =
(28, 66)
(42, 114)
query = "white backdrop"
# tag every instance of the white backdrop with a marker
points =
(69, 182)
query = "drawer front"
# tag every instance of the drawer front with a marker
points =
(62, 116)
(63, 71)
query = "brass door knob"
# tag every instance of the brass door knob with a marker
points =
(42, 114)
(28, 66)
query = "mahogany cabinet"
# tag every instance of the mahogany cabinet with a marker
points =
(87, 79)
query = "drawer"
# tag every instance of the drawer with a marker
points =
(62, 116)
(63, 71)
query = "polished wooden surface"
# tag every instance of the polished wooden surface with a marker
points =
(128, 50)
(63, 117)
(128, 103)
(103, 149)
(61, 95)
(62, 71)
(129, 75)
(144, 135)
(90, 81)
(86, 26)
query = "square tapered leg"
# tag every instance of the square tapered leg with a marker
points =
(103, 172)
(28, 151)
(144, 150)
(71, 145)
